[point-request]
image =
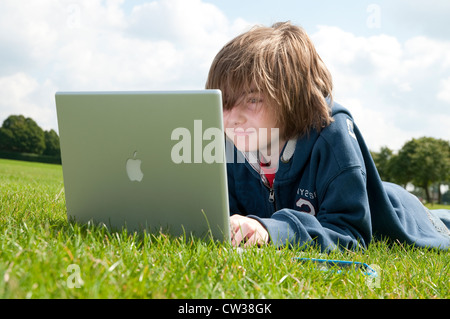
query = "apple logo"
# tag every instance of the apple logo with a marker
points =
(133, 167)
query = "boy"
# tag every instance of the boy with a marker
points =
(307, 177)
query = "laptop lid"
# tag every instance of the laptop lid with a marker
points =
(145, 160)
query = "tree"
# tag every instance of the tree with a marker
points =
(52, 147)
(423, 162)
(399, 170)
(382, 160)
(390, 167)
(22, 135)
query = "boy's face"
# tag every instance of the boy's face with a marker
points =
(251, 125)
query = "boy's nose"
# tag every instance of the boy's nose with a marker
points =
(234, 117)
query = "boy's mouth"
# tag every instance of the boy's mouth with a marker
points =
(241, 132)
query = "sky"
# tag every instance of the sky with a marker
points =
(390, 60)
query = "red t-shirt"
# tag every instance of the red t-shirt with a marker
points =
(269, 172)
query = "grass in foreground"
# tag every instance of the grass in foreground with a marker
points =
(42, 255)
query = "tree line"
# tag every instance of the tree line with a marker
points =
(422, 162)
(19, 134)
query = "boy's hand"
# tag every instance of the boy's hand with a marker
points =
(248, 230)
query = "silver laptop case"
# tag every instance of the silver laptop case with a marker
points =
(145, 160)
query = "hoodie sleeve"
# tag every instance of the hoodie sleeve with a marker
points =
(343, 219)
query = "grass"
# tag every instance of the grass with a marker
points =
(42, 255)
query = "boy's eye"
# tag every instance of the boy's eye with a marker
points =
(254, 100)
(254, 103)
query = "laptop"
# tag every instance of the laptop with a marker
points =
(152, 161)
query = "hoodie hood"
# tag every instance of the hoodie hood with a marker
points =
(291, 162)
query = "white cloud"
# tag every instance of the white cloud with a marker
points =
(95, 45)
(184, 22)
(197, 28)
(376, 127)
(16, 87)
(444, 92)
(22, 94)
(396, 90)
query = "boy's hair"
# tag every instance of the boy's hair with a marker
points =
(282, 63)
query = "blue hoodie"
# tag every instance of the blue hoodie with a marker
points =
(327, 192)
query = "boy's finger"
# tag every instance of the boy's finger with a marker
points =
(237, 238)
(240, 234)
(255, 239)
(251, 241)
(235, 223)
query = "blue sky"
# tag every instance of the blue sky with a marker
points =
(308, 14)
(400, 18)
(390, 60)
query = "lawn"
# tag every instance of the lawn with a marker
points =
(42, 255)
